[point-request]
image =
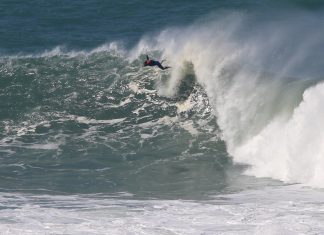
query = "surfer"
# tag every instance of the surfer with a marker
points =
(149, 62)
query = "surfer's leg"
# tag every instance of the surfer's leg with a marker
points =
(157, 63)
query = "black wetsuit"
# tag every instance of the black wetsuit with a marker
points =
(156, 63)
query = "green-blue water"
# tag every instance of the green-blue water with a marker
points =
(82, 120)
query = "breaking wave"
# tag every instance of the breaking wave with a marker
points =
(263, 77)
(236, 78)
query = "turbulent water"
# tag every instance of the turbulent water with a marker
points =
(226, 141)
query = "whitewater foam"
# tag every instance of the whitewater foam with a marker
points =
(295, 146)
(249, 212)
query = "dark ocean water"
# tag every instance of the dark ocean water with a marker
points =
(91, 141)
(36, 25)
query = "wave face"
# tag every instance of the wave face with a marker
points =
(93, 121)
(263, 78)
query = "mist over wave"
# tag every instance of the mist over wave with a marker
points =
(263, 77)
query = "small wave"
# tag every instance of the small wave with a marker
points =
(114, 48)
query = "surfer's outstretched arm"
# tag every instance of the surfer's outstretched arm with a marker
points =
(147, 57)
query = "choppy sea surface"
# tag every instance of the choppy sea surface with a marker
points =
(226, 141)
